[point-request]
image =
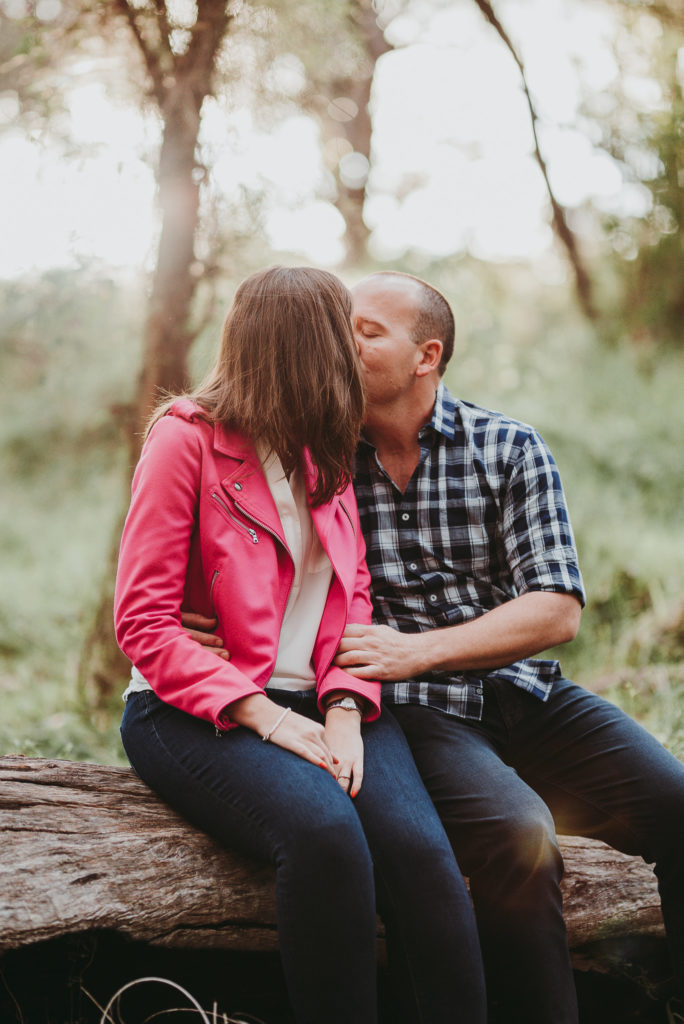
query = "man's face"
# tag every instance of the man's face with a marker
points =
(383, 313)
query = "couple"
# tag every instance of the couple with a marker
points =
(242, 510)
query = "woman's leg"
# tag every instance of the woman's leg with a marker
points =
(431, 928)
(269, 803)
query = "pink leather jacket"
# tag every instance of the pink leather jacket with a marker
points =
(203, 534)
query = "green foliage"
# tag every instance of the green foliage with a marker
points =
(648, 143)
(68, 357)
(69, 347)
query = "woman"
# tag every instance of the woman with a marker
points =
(242, 509)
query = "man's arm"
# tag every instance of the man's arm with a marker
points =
(518, 629)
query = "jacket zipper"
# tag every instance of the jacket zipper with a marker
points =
(275, 536)
(253, 520)
(255, 540)
(253, 534)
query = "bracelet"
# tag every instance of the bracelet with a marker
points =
(267, 735)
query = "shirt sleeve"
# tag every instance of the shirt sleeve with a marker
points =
(537, 534)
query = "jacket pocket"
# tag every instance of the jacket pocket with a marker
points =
(214, 581)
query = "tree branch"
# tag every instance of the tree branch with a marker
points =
(213, 19)
(560, 222)
(151, 59)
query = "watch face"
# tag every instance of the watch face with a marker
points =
(348, 703)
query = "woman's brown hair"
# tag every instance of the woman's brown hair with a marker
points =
(287, 372)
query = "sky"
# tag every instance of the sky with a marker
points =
(452, 164)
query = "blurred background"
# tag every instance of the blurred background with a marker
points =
(524, 156)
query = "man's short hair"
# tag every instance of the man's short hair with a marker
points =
(434, 318)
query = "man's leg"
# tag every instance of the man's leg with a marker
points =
(504, 839)
(603, 775)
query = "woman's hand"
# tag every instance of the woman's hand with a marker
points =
(294, 732)
(343, 738)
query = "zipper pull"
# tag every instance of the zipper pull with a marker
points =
(253, 535)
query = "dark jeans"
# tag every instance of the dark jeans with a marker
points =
(269, 803)
(503, 787)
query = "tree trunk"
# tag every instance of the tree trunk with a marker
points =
(88, 847)
(354, 128)
(168, 334)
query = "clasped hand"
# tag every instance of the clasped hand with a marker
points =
(337, 746)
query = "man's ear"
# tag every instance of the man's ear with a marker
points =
(431, 356)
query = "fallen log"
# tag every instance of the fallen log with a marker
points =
(88, 847)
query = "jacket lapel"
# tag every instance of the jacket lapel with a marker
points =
(245, 482)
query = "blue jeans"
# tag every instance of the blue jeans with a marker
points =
(329, 853)
(504, 786)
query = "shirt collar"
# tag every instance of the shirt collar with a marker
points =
(441, 421)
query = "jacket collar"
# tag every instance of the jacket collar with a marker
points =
(247, 484)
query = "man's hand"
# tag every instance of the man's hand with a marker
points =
(201, 629)
(380, 652)
(519, 628)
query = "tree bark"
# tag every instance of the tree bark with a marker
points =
(88, 847)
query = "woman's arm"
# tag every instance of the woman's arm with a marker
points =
(151, 576)
(285, 728)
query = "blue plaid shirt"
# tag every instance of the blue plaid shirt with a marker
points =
(483, 519)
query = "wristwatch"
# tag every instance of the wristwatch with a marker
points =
(348, 703)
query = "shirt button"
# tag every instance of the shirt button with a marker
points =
(413, 566)
(405, 516)
(433, 597)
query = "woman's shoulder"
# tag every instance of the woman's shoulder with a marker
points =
(182, 418)
(182, 432)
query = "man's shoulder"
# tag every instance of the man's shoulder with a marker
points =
(482, 426)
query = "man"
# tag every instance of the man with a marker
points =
(474, 571)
